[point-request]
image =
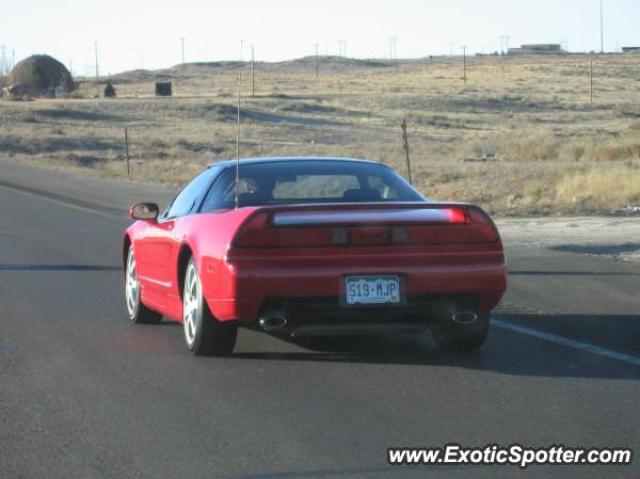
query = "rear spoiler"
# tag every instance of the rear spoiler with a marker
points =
(333, 224)
(373, 215)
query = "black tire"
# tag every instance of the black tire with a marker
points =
(138, 312)
(450, 336)
(203, 333)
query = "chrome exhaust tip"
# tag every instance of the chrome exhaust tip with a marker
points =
(272, 322)
(464, 317)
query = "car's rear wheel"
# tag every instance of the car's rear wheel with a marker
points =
(203, 333)
(451, 336)
(138, 312)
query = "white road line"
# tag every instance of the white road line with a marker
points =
(572, 343)
(61, 202)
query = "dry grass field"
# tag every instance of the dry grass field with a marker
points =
(519, 137)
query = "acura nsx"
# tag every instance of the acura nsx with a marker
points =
(309, 247)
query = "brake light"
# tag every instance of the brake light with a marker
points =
(457, 215)
(259, 231)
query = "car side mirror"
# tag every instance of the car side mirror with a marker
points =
(144, 211)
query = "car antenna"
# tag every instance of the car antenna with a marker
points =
(238, 145)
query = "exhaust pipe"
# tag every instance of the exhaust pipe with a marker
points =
(464, 317)
(272, 321)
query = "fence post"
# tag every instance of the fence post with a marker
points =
(405, 147)
(126, 149)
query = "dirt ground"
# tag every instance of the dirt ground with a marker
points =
(521, 137)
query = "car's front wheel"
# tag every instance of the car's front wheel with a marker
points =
(138, 312)
(203, 333)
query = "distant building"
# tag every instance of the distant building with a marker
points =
(631, 49)
(38, 76)
(538, 49)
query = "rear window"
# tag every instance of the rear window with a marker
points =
(309, 181)
(314, 186)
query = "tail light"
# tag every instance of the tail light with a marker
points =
(252, 233)
(463, 225)
(456, 215)
(259, 231)
(439, 226)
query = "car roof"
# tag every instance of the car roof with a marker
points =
(282, 159)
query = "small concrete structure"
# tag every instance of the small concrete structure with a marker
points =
(164, 88)
(630, 49)
(538, 49)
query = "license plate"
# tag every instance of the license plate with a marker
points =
(372, 289)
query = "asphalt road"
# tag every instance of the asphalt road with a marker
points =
(84, 393)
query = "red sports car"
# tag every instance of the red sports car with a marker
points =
(312, 246)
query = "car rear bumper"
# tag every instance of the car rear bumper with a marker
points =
(311, 288)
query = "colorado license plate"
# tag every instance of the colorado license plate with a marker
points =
(372, 289)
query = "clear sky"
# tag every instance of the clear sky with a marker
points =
(146, 33)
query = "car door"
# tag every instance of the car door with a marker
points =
(158, 248)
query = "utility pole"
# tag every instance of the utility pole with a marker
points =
(591, 77)
(95, 47)
(71, 67)
(317, 62)
(504, 43)
(601, 27)
(393, 50)
(13, 58)
(3, 65)
(182, 48)
(342, 47)
(464, 64)
(253, 72)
